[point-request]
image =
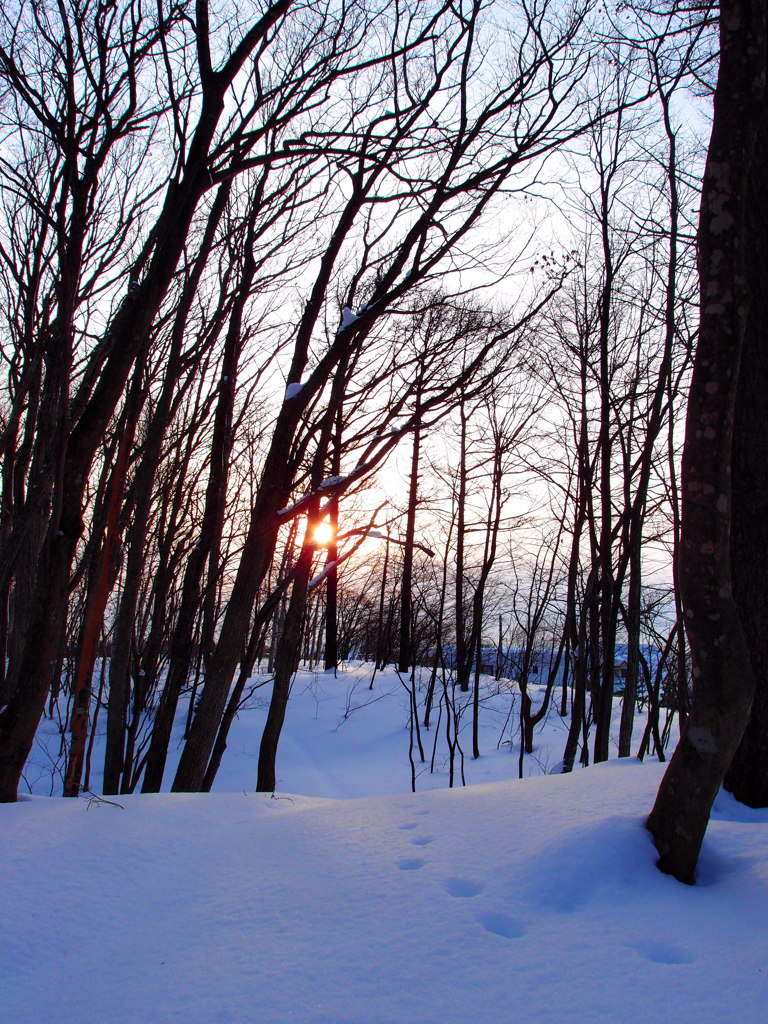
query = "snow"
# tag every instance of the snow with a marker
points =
(359, 902)
(331, 481)
(347, 319)
(292, 390)
(317, 580)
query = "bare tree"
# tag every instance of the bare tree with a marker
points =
(427, 223)
(107, 62)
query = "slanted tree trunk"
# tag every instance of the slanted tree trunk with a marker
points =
(286, 660)
(195, 590)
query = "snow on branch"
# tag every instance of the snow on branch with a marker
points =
(347, 319)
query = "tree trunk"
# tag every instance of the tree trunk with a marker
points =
(723, 680)
(99, 589)
(286, 663)
(463, 662)
(405, 659)
(331, 653)
(747, 777)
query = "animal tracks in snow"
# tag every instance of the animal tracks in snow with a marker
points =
(463, 888)
(459, 888)
(413, 863)
(494, 922)
(662, 952)
(410, 863)
(501, 924)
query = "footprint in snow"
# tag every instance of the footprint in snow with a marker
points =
(463, 888)
(663, 952)
(408, 827)
(501, 924)
(410, 864)
(421, 840)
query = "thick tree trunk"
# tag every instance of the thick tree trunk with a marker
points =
(723, 680)
(747, 777)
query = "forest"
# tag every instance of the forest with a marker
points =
(366, 331)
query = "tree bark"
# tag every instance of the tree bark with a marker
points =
(723, 680)
(747, 777)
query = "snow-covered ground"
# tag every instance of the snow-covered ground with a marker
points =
(347, 899)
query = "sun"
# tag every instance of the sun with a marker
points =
(324, 534)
